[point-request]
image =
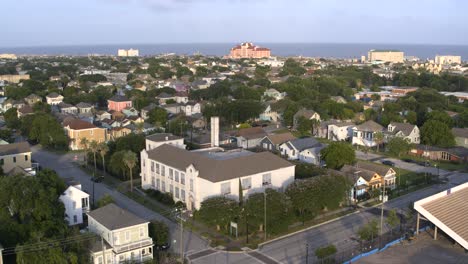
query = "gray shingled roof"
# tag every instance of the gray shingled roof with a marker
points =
(353, 173)
(113, 217)
(119, 98)
(304, 143)
(380, 169)
(460, 132)
(405, 128)
(370, 126)
(216, 170)
(14, 148)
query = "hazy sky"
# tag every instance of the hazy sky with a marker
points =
(76, 22)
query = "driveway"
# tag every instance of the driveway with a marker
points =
(64, 166)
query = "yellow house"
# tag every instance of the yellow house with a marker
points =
(125, 235)
(15, 155)
(77, 129)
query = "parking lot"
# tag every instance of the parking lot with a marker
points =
(424, 249)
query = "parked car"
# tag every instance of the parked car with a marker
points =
(163, 247)
(97, 179)
(408, 160)
(388, 163)
(424, 163)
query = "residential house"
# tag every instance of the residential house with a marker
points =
(307, 114)
(200, 85)
(67, 108)
(85, 109)
(25, 110)
(461, 136)
(130, 111)
(273, 93)
(193, 177)
(181, 97)
(456, 154)
(364, 181)
(249, 137)
(197, 121)
(144, 128)
(144, 113)
(341, 131)
(101, 115)
(117, 115)
(272, 142)
(15, 155)
(164, 97)
(404, 130)
(158, 139)
(76, 203)
(338, 99)
(387, 174)
(190, 108)
(364, 134)
(125, 235)
(303, 149)
(117, 132)
(135, 119)
(54, 98)
(32, 99)
(270, 115)
(77, 129)
(118, 103)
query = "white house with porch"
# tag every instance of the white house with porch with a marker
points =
(76, 203)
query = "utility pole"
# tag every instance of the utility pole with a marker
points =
(181, 236)
(381, 213)
(265, 214)
(307, 253)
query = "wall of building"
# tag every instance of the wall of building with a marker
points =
(386, 56)
(96, 134)
(22, 160)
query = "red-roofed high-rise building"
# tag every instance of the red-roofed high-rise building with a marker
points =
(249, 50)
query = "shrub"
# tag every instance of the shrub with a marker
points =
(324, 252)
(164, 198)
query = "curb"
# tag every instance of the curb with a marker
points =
(260, 245)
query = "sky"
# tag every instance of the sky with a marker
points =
(91, 22)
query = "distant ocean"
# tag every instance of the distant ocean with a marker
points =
(326, 50)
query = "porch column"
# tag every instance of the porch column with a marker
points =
(435, 233)
(417, 225)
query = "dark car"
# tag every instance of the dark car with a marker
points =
(424, 163)
(163, 247)
(388, 163)
(97, 179)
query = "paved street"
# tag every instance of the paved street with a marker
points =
(64, 166)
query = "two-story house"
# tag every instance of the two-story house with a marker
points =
(85, 109)
(15, 155)
(118, 103)
(76, 203)
(32, 99)
(77, 129)
(273, 93)
(341, 131)
(270, 115)
(67, 108)
(272, 142)
(404, 130)
(364, 181)
(249, 137)
(307, 114)
(192, 177)
(54, 98)
(164, 97)
(364, 134)
(125, 234)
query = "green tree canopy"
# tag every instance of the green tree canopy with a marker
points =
(398, 146)
(436, 133)
(338, 154)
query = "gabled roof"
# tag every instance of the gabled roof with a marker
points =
(113, 217)
(354, 173)
(370, 126)
(460, 132)
(14, 148)
(33, 96)
(53, 95)
(380, 169)
(164, 95)
(119, 98)
(217, 170)
(281, 138)
(304, 143)
(84, 105)
(251, 133)
(305, 113)
(405, 128)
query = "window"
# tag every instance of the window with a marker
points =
(182, 195)
(152, 166)
(158, 182)
(2, 162)
(99, 259)
(127, 235)
(157, 168)
(171, 174)
(265, 145)
(176, 176)
(142, 232)
(226, 188)
(153, 181)
(84, 202)
(14, 159)
(266, 179)
(74, 205)
(143, 251)
(163, 186)
(246, 183)
(191, 185)
(75, 218)
(26, 157)
(182, 178)
(176, 192)
(163, 170)
(171, 190)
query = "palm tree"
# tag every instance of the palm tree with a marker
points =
(378, 137)
(84, 142)
(93, 146)
(130, 160)
(103, 149)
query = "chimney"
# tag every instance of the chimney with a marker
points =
(214, 131)
(167, 138)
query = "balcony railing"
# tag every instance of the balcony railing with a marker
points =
(133, 245)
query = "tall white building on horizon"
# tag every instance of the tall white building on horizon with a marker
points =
(128, 53)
